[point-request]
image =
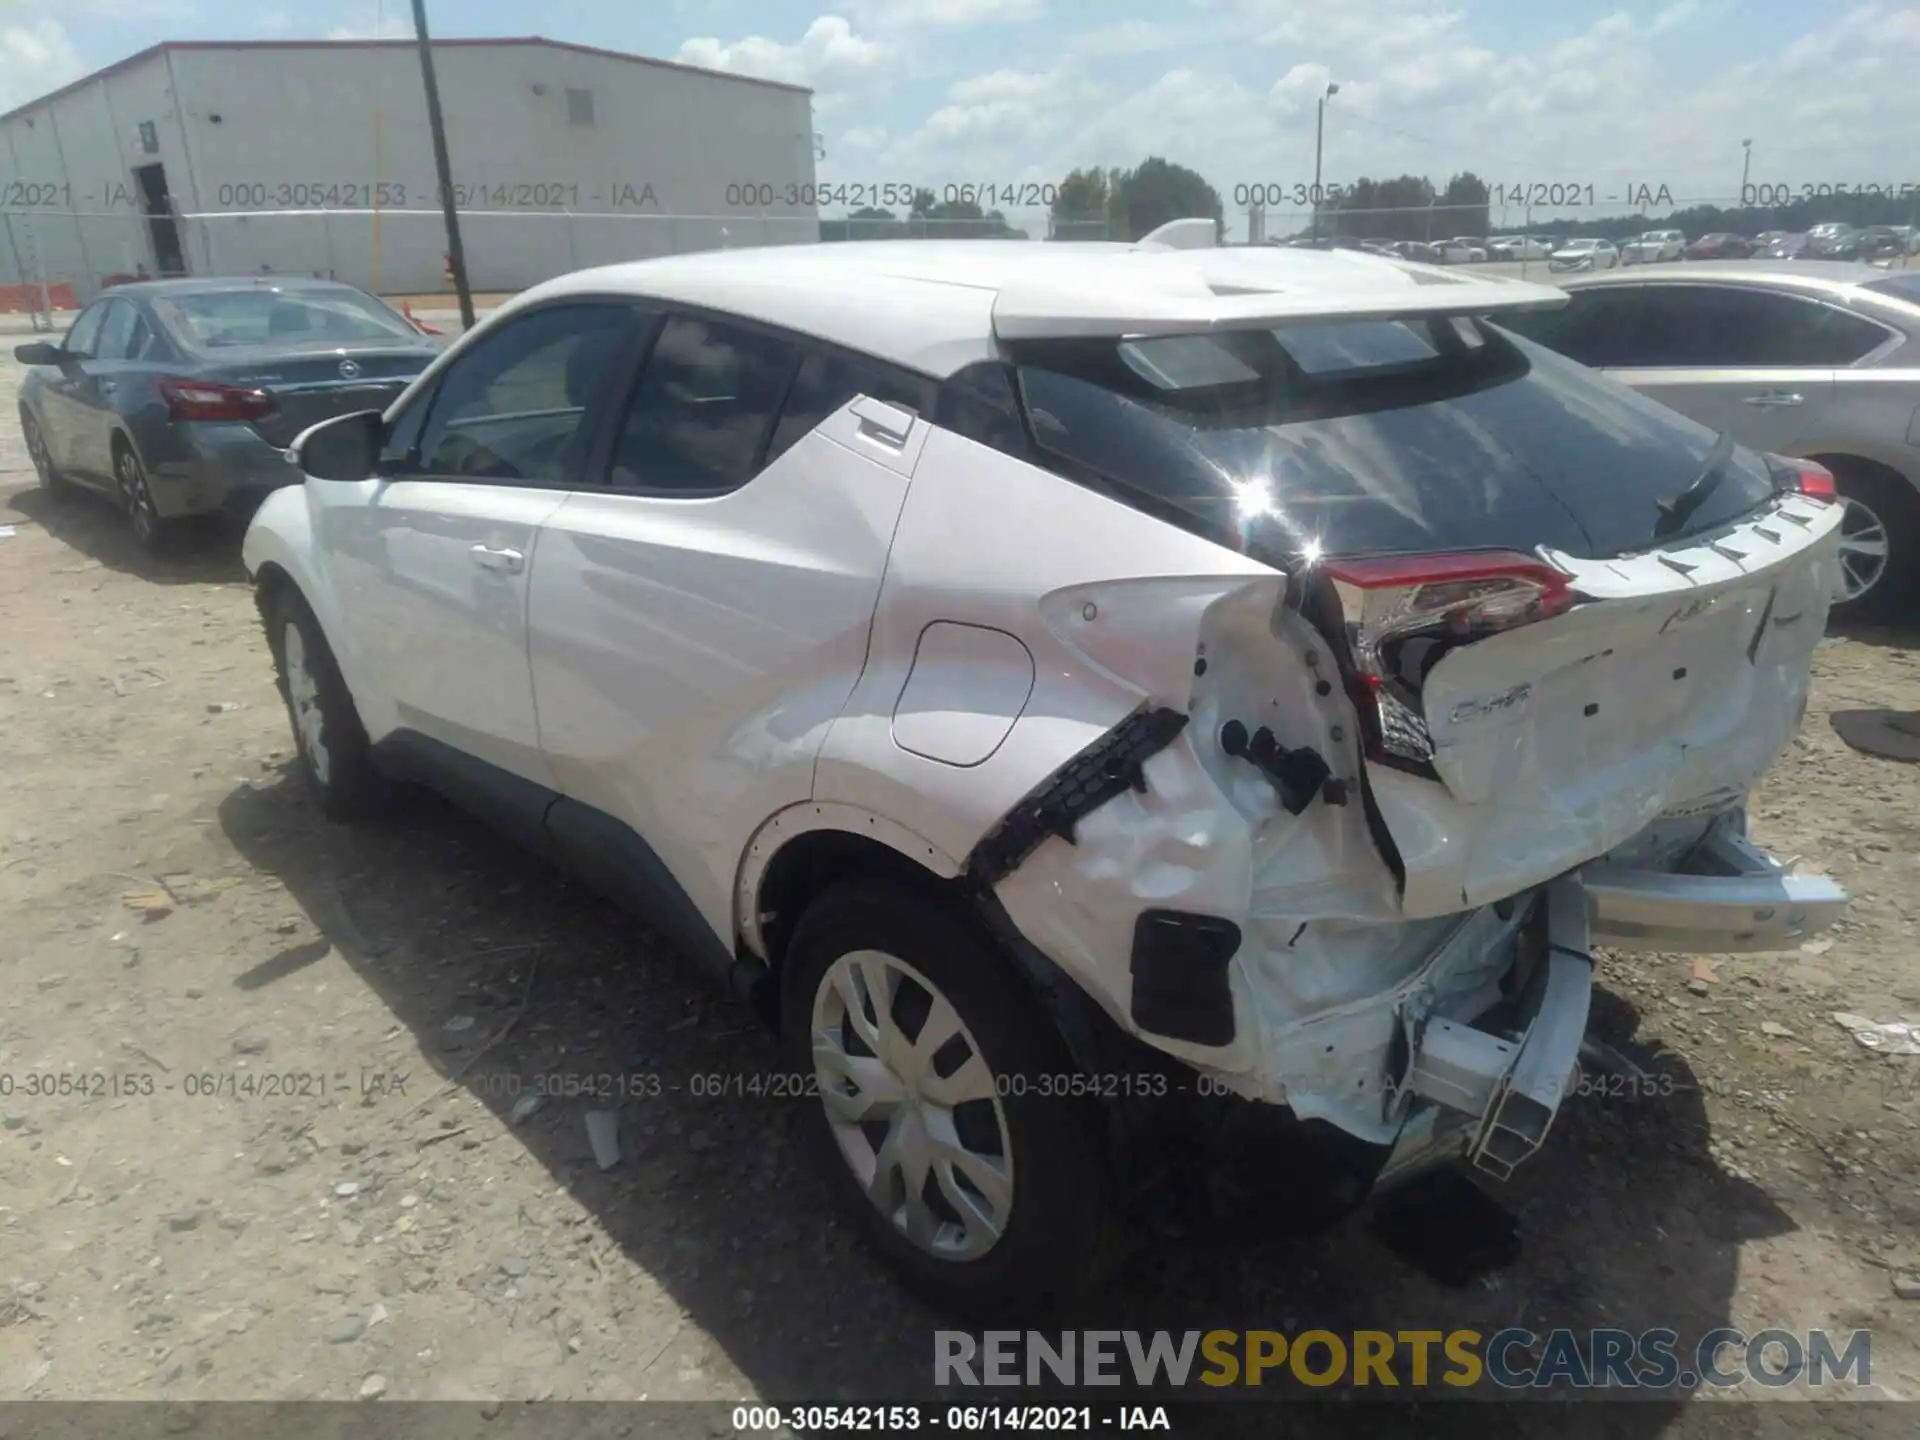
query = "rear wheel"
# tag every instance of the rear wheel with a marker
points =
(332, 743)
(51, 480)
(939, 1116)
(151, 531)
(1879, 542)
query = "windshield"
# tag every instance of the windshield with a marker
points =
(225, 319)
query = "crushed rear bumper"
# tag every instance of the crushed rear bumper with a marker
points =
(1489, 1090)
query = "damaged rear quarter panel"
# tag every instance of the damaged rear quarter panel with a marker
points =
(1116, 608)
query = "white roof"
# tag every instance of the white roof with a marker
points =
(938, 305)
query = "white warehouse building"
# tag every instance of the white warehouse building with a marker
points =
(314, 157)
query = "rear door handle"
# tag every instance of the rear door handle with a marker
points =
(503, 562)
(1774, 399)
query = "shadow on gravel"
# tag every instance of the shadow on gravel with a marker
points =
(207, 552)
(1624, 1220)
(1886, 637)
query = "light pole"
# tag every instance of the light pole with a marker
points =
(1746, 167)
(436, 128)
(1319, 136)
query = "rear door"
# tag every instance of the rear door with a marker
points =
(1752, 363)
(433, 557)
(701, 613)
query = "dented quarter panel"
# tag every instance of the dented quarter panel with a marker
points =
(954, 558)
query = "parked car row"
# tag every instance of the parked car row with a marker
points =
(1834, 241)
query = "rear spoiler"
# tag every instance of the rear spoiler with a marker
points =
(1179, 282)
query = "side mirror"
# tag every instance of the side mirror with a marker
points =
(346, 447)
(39, 353)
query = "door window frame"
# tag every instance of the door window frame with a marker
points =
(592, 420)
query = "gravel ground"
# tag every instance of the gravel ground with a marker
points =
(313, 1180)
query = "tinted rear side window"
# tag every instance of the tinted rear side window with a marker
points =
(1501, 445)
(1703, 326)
(827, 380)
(704, 408)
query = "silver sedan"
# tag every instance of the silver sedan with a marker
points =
(179, 397)
(1815, 360)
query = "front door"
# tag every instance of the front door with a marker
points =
(64, 415)
(433, 557)
(96, 388)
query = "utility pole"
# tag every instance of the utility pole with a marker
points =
(436, 126)
(1319, 136)
(1746, 168)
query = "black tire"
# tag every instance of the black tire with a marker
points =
(1059, 1240)
(345, 779)
(152, 532)
(1896, 506)
(57, 486)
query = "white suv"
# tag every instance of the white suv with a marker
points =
(1064, 680)
(1654, 247)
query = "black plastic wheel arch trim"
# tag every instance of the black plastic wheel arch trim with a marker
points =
(1109, 767)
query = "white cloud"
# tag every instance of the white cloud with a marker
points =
(392, 21)
(827, 56)
(35, 57)
(1130, 37)
(1636, 92)
(900, 15)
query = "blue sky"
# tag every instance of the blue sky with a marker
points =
(1011, 91)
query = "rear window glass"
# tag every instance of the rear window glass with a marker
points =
(1497, 444)
(219, 319)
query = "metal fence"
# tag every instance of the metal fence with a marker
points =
(54, 260)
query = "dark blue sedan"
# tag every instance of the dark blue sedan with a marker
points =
(179, 397)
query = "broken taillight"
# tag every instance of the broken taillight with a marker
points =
(1403, 613)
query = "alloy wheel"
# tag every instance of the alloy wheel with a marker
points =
(37, 448)
(913, 1104)
(1863, 549)
(303, 697)
(137, 497)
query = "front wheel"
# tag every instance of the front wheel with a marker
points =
(941, 1119)
(51, 480)
(332, 743)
